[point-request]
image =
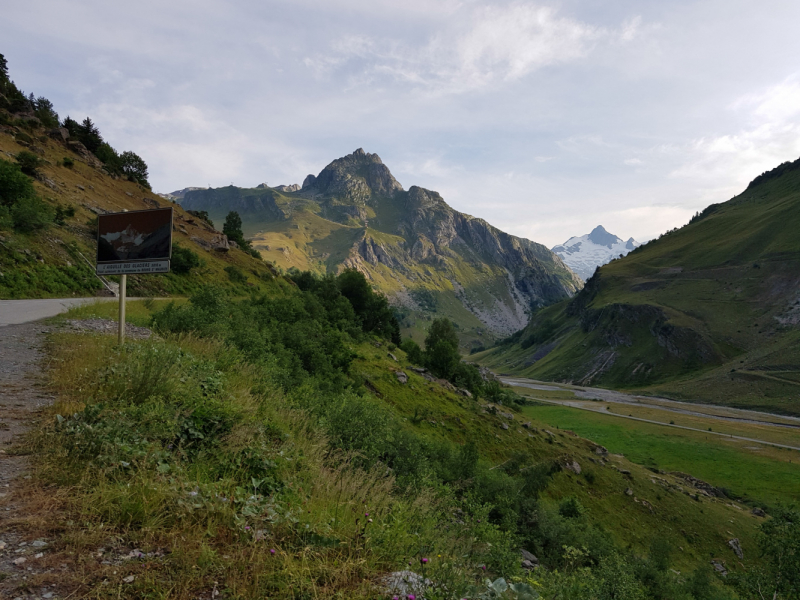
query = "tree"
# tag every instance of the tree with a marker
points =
(45, 112)
(441, 349)
(233, 227)
(183, 260)
(779, 574)
(89, 135)
(3, 69)
(134, 167)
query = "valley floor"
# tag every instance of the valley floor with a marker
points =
(750, 453)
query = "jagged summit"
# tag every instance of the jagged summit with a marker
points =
(355, 177)
(585, 253)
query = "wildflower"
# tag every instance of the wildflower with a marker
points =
(483, 567)
(412, 597)
(366, 514)
(272, 551)
(424, 561)
(247, 527)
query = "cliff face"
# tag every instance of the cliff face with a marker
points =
(427, 257)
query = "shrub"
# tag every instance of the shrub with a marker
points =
(235, 274)
(68, 162)
(29, 163)
(570, 508)
(413, 351)
(63, 213)
(13, 184)
(184, 260)
(30, 214)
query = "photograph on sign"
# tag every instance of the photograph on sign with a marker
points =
(142, 235)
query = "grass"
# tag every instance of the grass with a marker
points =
(769, 475)
(59, 261)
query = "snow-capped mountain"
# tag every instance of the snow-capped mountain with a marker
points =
(585, 253)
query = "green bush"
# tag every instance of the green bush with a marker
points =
(29, 163)
(68, 162)
(413, 351)
(31, 214)
(14, 185)
(235, 274)
(63, 213)
(184, 260)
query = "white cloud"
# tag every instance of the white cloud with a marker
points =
(487, 45)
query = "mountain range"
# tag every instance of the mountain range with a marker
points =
(430, 259)
(585, 253)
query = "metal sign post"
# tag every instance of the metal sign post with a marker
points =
(123, 281)
(133, 242)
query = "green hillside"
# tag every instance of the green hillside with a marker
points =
(710, 311)
(430, 260)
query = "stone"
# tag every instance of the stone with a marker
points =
(529, 556)
(60, 134)
(403, 583)
(129, 579)
(401, 377)
(504, 426)
(574, 467)
(392, 356)
(508, 416)
(527, 425)
(39, 544)
(419, 370)
(20, 561)
(600, 451)
(736, 547)
(719, 567)
(629, 492)
(759, 512)
(465, 392)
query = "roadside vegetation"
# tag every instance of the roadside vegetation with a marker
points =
(264, 447)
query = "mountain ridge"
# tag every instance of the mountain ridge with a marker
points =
(583, 254)
(410, 243)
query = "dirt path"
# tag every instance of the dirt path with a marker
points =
(22, 394)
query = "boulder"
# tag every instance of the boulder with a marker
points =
(719, 567)
(465, 392)
(401, 377)
(392, 356)
(736, 547)
(629, 492)
(574, 467)
(759, 512)
(527, 425)
(529, 561)
(405, 583)
(600, 451)
(504, 426)
(60, 134)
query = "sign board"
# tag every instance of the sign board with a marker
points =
(134, 242)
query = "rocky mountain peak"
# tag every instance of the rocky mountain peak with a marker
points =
(601, 237)
(355, 177)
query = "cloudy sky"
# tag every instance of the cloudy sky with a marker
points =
(545, 118)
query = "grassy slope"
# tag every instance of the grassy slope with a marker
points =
(723, 281)
(700, 527)
(49, 263)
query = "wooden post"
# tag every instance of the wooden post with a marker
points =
(123, 280)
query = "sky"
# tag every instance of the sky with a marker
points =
(544, 118)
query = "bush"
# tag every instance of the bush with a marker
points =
(184, 260)
(14, 185)
(413, 351)
(63, 213)
(29, 163)
(30, 214)
(235, 274)
(68, 162)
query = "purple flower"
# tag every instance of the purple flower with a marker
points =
(483, 567)
(412, 597)
(272, 551)
(247, 527)
(424, 561)
(366, 514)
